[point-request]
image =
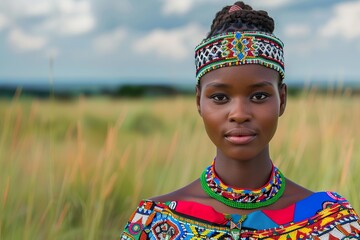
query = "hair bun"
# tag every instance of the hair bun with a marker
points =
(243, 6)
(241, 17)
(234, 8)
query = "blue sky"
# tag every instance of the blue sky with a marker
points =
(114, 40)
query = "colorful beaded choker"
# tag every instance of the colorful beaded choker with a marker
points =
(243, 198)
(239, 48)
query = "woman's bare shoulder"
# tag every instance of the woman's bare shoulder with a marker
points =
(294, 192)
(187, 193)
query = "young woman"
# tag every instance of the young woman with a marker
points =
(240, 96)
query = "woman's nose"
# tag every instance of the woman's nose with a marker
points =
(239, 111)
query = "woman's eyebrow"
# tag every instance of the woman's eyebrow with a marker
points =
(218, 85)
(261, 84)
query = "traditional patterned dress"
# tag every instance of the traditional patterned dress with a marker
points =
(322, 215)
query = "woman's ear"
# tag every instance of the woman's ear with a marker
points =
(283, 98)
(198, 94)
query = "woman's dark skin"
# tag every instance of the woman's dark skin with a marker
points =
(240, 107)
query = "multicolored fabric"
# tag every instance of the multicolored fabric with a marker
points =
(238, 48)
(239, 197)
(323, 215)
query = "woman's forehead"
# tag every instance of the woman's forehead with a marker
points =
(247, 74)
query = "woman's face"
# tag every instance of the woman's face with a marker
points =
(240, 106)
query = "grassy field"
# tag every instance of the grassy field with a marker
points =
(77, 169)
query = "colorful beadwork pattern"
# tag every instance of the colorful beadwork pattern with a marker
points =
(238, 48)
(322, 215)
(239, 197)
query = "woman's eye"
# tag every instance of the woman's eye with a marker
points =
(219, 98)
(258, 97)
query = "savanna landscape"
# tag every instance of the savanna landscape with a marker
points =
(77, 169)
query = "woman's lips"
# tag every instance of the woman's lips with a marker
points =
(240, 136)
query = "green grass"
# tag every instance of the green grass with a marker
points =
(76, 170)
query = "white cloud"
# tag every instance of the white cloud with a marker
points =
(22, 41)
(24, 8)
(61, 17)
(173, 44)
(181, 7)
(76, 24)
(269, 4)
(36, 8)
(3, 22)
(109, 42)
(297, 30)
(177, 6)
(343, 22)
(71, 18)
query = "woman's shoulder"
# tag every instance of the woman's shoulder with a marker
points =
(189, 192)
(150, 209)
(157, 204)
(322, 200)
(296, 194)
(328, 199)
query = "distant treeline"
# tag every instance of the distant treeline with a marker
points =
(136, 91)
(125, 91)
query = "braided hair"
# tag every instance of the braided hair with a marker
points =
(241, 17)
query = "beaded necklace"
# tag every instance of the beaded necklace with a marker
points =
(243, 198)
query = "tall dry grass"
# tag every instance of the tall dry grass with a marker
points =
(76, 170)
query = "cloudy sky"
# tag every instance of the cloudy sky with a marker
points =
(113, 40)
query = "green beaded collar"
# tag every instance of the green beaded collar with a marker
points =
(243, 198)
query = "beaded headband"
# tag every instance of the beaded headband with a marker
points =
(239, 48)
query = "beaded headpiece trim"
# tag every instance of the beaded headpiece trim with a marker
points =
(239, 48)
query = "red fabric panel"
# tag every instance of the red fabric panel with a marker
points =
(201, 211)
(281, 216)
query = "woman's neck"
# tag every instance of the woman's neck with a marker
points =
(249, 174)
